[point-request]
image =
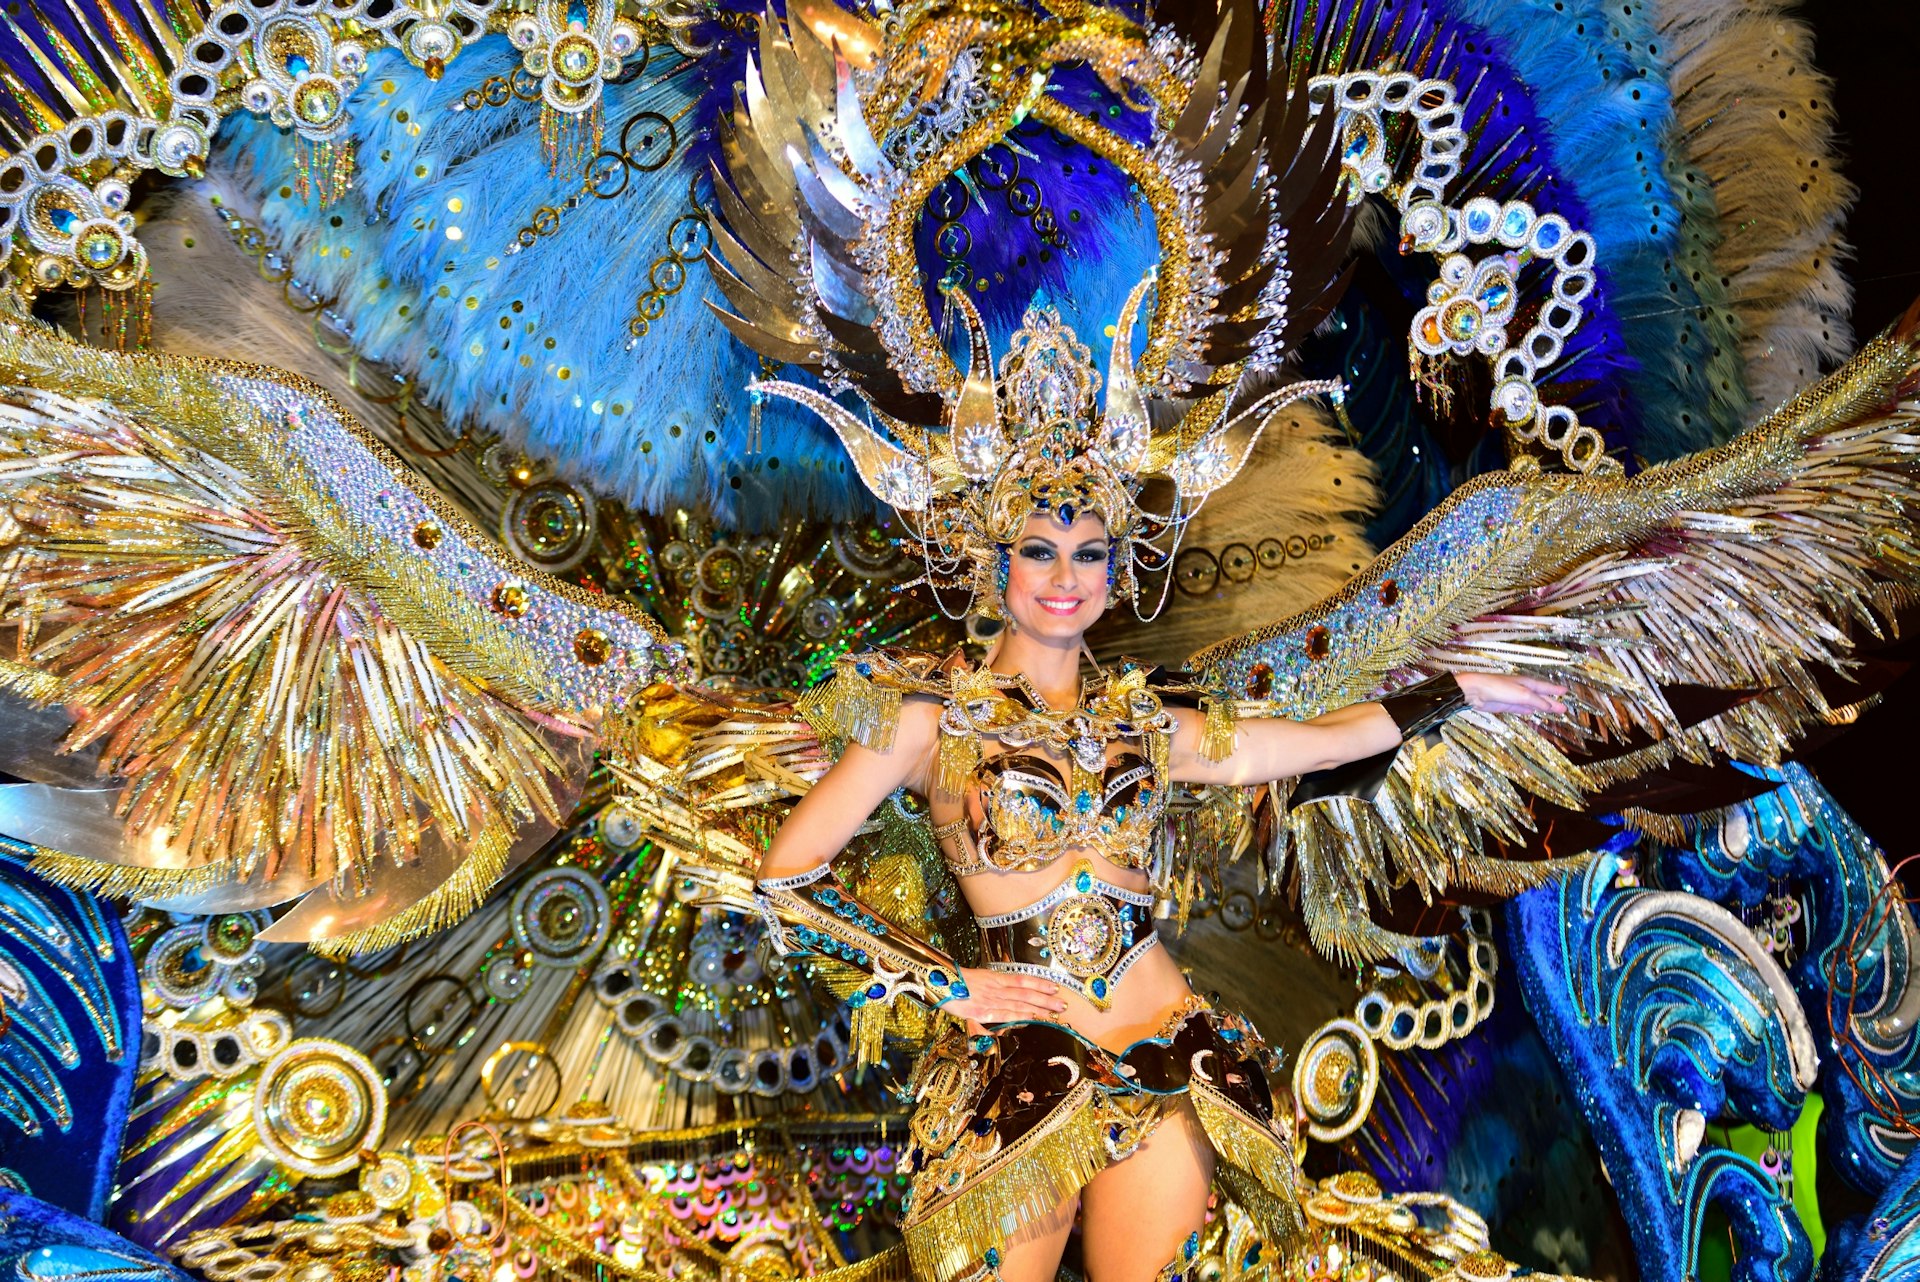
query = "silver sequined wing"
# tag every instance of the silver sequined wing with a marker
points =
(1740, 570)
(305, 674)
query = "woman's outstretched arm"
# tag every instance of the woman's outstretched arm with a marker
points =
(797, 886)
(1270, 748)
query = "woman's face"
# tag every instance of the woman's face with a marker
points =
(1057, 576)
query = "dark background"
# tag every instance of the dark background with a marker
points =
(1871, 48)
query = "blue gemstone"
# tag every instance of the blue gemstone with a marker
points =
(1083, 882)
(828, 895)
(1229, 1034)
(857, 1000)
(959, 988)
(1515, 224)
(62, 220)
(876, 991)
(864, 669)
(1479, 220)
(1083, 802)
(1547, 236)
(1099, 987)
(938, 978)
(298, 66)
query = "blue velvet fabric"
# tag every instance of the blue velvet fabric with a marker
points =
(68, 1054)
(40, 1242)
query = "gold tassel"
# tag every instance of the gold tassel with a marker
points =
(868, 1023)
(1217, 737)
(1257, 1166)
(959, 758)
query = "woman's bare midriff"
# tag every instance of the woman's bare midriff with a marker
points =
(1152, 988)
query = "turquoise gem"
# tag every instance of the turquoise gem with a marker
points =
(62, 220)
(63, 1261)
(1099, 987)
(1515, 224)
(1083, 882)
(298, 66)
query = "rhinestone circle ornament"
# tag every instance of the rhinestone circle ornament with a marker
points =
(1084, 936)
(1335, 1077)
(550, 525)
(561, 916)
(178, 971)
(316, 1105)
(389, 1182)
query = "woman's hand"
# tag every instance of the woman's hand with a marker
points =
(1522, 695)
(995, 997)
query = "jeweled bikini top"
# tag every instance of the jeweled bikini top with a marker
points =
(1035, 807)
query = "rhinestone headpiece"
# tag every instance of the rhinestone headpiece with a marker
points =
(830, 162)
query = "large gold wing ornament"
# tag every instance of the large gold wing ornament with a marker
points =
(304, 674)
(1741, 570)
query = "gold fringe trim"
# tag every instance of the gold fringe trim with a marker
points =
(445, 904)
(958, 758)
(125, 881)
(1216, 733)
(28, 681)
(1018, 1187)
(1256, 1166)
(851, 706)
(869, 1028)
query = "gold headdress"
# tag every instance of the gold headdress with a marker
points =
(832, 157)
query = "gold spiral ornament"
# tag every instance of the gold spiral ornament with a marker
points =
(317, 1105)
(1334, 1079)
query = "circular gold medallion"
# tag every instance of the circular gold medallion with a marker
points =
(1083, 934)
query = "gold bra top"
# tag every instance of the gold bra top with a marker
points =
(1033, 809)
(1032, 814)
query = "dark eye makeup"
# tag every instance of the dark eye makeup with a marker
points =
(1040, 551)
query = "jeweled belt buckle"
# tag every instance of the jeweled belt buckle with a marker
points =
(1085, 935)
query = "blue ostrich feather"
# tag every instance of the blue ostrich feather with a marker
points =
(535, 344)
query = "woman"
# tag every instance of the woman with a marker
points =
(1049, 836)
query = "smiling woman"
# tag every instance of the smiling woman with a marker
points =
(1046, 786)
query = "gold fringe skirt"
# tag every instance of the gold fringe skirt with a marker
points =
(1013, 1124)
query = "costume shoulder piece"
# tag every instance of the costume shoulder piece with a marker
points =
(861, 701)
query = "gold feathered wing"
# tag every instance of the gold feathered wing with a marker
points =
(306, 675)
(1742, 569)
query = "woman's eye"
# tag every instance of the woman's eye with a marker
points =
(1037, 553)
(1089, 556)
